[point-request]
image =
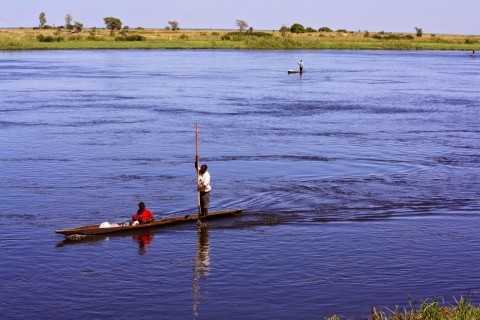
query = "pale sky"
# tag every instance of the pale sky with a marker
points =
(436, 16)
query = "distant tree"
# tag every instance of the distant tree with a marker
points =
(342, 31)
(297, 28)
(174, 25)
(310, 29)
(112, 24)
(42, 19)
(241, 24)
(126, 28)
(419, 32)
(68, 22)
(284, 28)
(77, 26)
(325, 29)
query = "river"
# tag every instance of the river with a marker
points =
(359, 181)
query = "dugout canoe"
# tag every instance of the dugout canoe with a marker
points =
(294, 71)
(93, 230)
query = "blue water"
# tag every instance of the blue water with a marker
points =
(360, 182)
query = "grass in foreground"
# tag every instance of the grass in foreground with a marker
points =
(463, 310)
(29, 39)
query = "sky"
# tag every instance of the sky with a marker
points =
(435, 16)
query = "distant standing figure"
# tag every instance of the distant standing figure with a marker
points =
(300, 66)
(143, 215)
(204, 187)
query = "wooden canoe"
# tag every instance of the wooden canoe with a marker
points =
(93, 230)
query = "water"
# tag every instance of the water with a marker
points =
(360, 182)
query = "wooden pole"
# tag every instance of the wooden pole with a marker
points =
(197, 159)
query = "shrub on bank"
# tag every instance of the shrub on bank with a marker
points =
(48, 38)
(239, 36)
(95, 38)
(272, 42)
(74, 38)
(130, 37)
(392, 36)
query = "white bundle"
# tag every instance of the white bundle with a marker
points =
(105, 224)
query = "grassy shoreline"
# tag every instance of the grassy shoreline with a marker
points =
(429, 310)
(28, 39)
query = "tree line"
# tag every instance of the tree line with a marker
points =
(299, 28)
(115, 24)
(74, 26)
(111, 23)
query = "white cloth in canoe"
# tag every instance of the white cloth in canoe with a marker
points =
(107, 224)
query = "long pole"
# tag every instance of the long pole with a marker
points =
(197, 160)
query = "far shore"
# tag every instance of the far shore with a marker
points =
(139, 38)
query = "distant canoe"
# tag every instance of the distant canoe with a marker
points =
(294, 71)
(93, 230)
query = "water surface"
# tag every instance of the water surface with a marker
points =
(360, 182)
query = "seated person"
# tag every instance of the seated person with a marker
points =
(142, 216)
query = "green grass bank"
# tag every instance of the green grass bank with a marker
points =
(30, 39)
(432, 310)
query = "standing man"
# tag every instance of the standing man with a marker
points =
(204, 187)
(300, 66)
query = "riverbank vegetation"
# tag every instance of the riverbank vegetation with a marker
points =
(463, 310)
(115, 35)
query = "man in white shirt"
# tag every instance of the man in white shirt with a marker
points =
(300, 65)
(204, 187)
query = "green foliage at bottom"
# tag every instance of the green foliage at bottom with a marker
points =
(429, 310)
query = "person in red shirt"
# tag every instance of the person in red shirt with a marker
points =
(143, 215)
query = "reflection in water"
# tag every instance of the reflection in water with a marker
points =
(144, 240)
(202, 266)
